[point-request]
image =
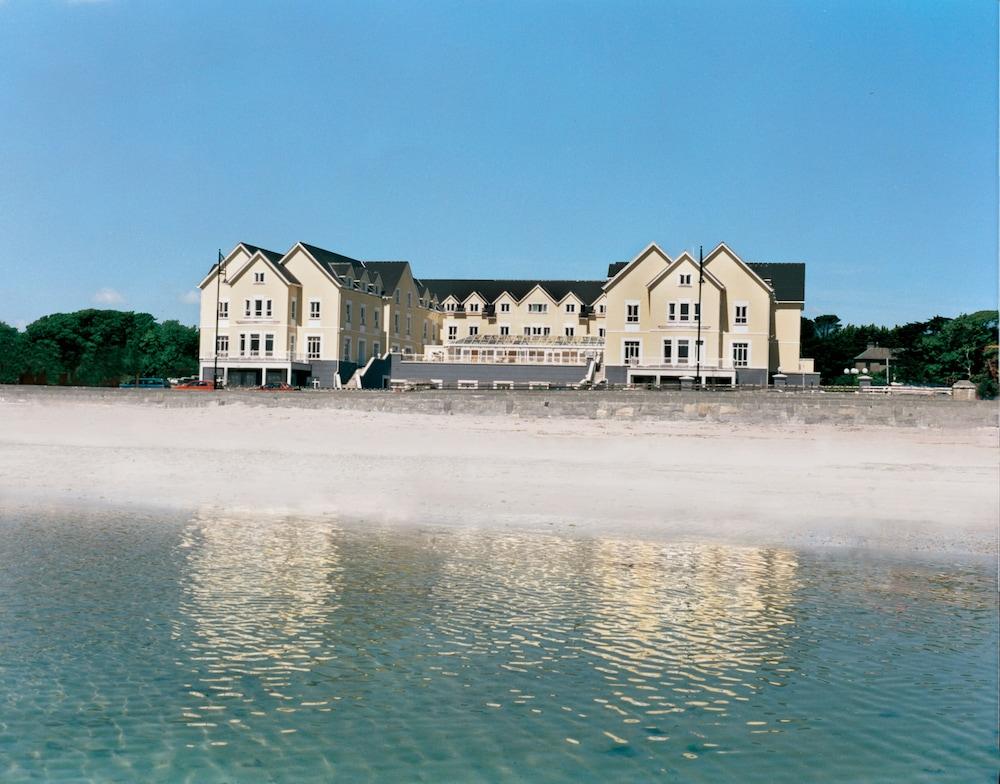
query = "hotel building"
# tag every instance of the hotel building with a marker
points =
(315, 316)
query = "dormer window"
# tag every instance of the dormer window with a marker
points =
(258, 277)
(357, 285)
(473, 307)
(602, 309)
(685, 279)
(570, 307)
(538, 307)
(505, 307)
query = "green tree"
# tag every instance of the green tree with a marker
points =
(13, 354)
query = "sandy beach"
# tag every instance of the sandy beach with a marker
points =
(898, 488)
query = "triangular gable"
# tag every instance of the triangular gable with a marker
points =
(685, 256)
(299, 246)
(624, 271)
(241, 247)
(539, 287)
(723, 247)
(261, 256)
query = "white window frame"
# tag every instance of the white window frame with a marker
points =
(224, 310)
(732, 352)
(452, 332)
(346, 357)
(684, 279)
(315, 310)
(625, 350)
(686, 343)
(631, 318)
(681, 305)
(601, 332)
(538, 307)
(571, 307)
(291, 345)
(375, 318)
(347, 312)
(222, 345)
(316, 340)
(294, 312)
(376, 349)
(505, 307)
(569, 331)
(736, 314)
(505, 329)
(668, 351)
(473, 331)
(258, 278)
(409, 325)
(361, 351)
(268, 338)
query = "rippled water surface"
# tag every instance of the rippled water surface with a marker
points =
(239, 650)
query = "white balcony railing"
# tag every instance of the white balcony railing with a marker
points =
(259, 356)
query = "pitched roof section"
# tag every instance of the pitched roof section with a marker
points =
(877, 352)
(391, 272)
(271, 255)
(787, 279)
(616, 267)
(586, 290)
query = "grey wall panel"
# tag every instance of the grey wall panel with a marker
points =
(756, 376)
(451, 372)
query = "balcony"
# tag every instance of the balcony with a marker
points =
(258, 357)
(706, 364)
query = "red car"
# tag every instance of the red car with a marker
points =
(276, 388)
(197, 386)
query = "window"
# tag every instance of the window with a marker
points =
(686, 279)
(683, 352)
(361, 352)
(631, 351)
(356, 285)
(409, 299)
(697, 311)
(314, 308)
(473, 307)
(668, 353)
(347, 350)
(243, 344)
(376, 348)
(361, 315)
(450, 306)
(269, 345)
(570, 331)
(258, 308)
(505, 307)
(571, 307)
(222, 345)
(741, 354)
(395, 322)
(452, 333)
(473, 331)
(295, 309)
(602, 309)
(258, 277)
(504, 329)
(312, 347)
(246, 308)
(347, 313)
(685, 311)
(254, 344)
(291, 346)
(224, 309)
(740, 316)
(632, 313)
(425, 330)
(671, 311)
(538, 307)
(409, 323)
(397, 296)
(267, 308)
(375, 318)
(600, 332)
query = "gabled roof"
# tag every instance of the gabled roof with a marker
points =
(586, 290)
(788, 279)
(621, 270)
(391, 272)
(685, 256)
(273, 257)
(877, 352)
(615, 267)
(267, 258)
(269, 255)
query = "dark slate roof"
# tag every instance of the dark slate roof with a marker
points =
(336, 263)
(488, 289)
(391, 272)
(616, 267)
(787, 279)
(877, 352)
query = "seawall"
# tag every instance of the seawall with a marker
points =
(736, 407)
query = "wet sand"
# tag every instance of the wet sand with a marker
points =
(904, 489)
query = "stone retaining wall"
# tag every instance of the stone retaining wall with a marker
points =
(748, 407)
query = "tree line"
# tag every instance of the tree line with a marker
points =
(96, 348)
(939, 351)
(105, 347)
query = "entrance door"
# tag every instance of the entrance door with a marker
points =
(275, 376)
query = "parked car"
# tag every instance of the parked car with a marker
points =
(282, 387)
(197, 386)
(146, 383)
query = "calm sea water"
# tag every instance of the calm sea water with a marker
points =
(236, 650)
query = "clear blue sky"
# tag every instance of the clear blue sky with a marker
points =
(507, 139)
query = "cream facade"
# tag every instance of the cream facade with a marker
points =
(308, 315)
(315, 316)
